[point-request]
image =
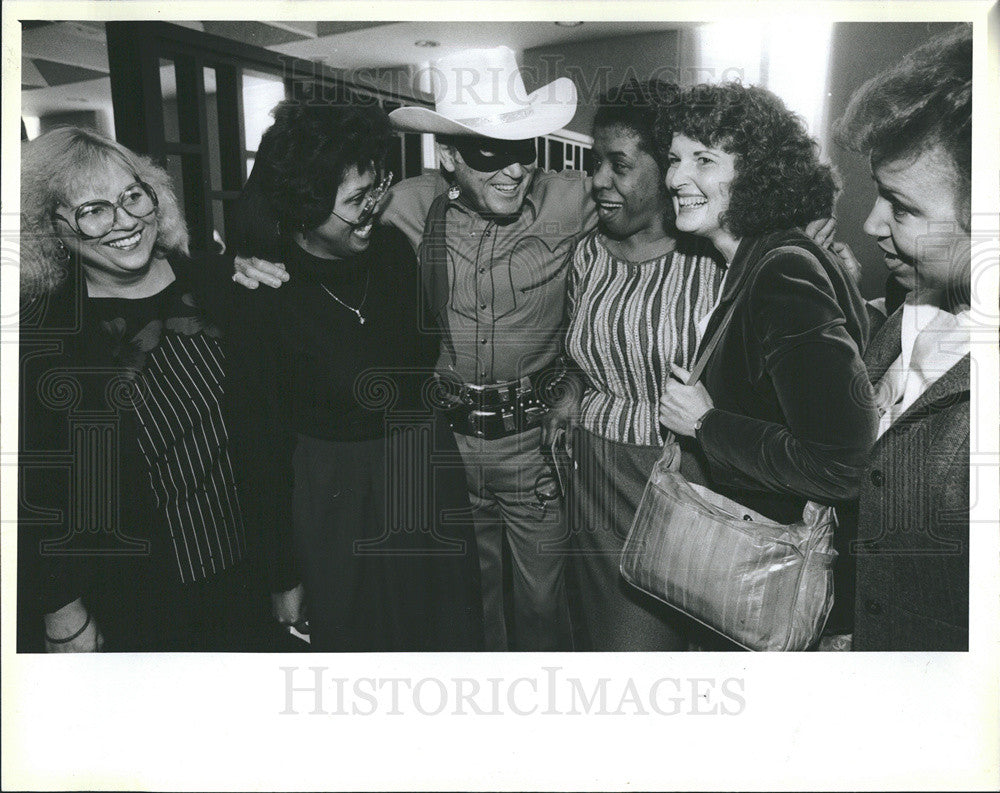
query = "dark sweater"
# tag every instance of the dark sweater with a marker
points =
(304, 364)
(320, 370)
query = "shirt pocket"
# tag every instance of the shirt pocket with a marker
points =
(533, 262)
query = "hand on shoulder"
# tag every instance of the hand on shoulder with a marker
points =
(252, 272)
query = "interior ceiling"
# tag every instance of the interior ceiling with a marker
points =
(66, 63)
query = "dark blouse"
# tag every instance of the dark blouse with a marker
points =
(333, 376)
(126, 446)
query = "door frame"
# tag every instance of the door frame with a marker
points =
(134, 53)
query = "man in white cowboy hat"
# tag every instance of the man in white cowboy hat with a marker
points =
(495, 238)
(499, 294)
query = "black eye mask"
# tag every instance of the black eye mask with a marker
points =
(489, 155)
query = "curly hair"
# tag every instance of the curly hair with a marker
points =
(924, 102)
(635, 106)
(300, 164)
(780, 182)
(67, 161)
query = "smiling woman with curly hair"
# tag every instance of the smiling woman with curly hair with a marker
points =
(783, 412)
(61, 163)
(779, 182)
(335, 364)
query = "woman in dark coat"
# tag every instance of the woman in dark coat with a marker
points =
(783, 411)
(337, 378)
(914, 122)
(132, 532)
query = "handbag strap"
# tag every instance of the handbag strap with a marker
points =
(670, 458)
(706, 353)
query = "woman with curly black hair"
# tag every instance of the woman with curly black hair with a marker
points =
(783, 412)
(335, 367)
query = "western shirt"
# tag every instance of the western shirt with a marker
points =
(506, 277)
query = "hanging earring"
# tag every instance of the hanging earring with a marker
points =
(63, 255)
(454, 192)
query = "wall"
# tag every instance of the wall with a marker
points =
(98, 120)
(599, 64)
(859, 52)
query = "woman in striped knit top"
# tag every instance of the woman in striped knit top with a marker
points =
(640, 297)
(637, 294)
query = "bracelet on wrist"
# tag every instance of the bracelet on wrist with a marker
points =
(69, 638)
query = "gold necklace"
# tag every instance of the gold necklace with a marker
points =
(361, 305)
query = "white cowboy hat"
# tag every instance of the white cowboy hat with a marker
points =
(480, 92)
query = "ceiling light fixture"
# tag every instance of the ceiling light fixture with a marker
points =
(569, 24)
(427, 43)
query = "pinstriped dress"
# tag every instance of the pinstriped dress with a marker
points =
(179, 363)
(629, 321)
(195, 588)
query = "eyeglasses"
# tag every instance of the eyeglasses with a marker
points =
(370, 205)
(94, 219)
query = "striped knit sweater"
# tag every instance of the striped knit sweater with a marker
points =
(628, 322)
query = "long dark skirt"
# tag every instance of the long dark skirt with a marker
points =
(384, 539)
(606, 482)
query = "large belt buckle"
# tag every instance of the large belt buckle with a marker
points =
(475, 394)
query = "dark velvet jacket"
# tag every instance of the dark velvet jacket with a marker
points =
(794, 417)
(912, 549)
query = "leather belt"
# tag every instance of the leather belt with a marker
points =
(502, 409)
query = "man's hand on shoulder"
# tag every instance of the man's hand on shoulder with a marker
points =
(252, 272)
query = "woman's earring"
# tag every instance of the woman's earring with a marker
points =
(454, 192)
(62, 251)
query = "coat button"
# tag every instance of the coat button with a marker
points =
(877, 478)
(873, 607)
